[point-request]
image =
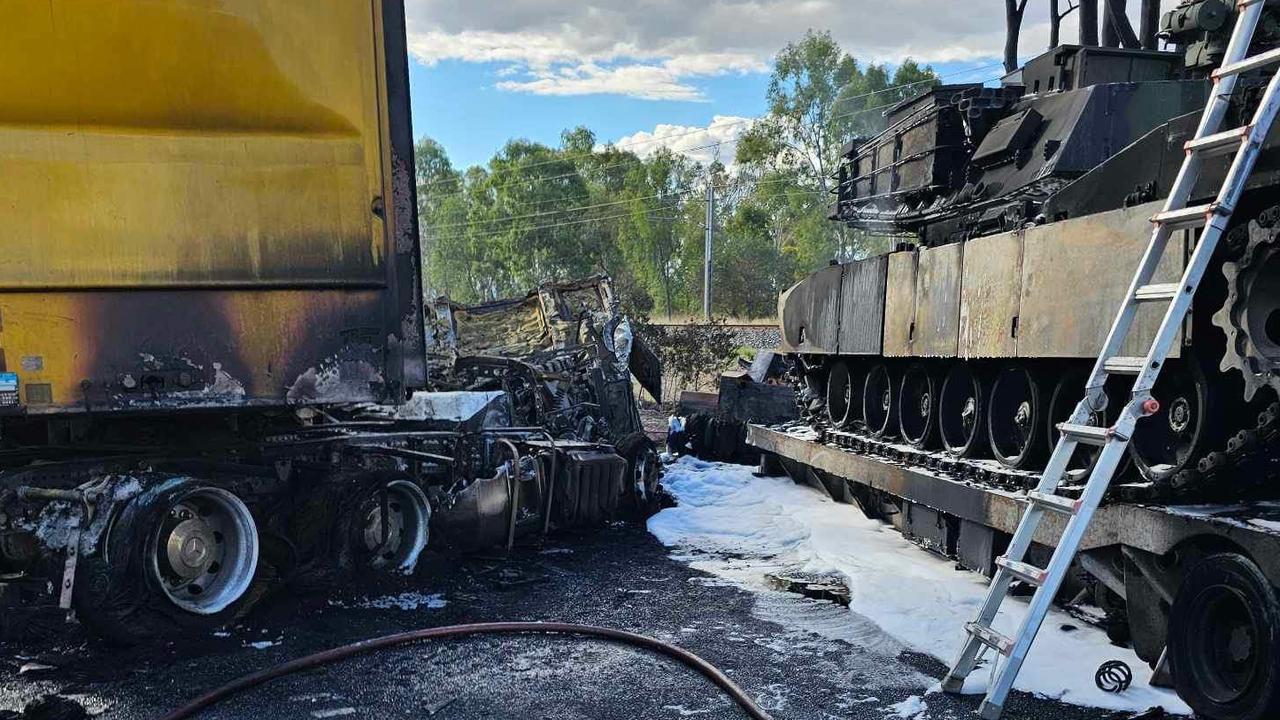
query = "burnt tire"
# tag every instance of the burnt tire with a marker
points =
(361, 549)
(642, 493)
(118, 596)
(1224, 640)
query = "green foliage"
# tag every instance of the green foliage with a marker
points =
(692, 355)
(535, 213)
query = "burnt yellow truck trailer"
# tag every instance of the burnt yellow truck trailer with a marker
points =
(211, 311)
(209, 236)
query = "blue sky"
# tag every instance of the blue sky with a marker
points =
(483, 72)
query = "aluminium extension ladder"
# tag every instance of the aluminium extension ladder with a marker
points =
(1245, 143)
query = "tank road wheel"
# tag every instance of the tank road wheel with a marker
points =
(918, 406)
(1068, 391)
(844, 395)
(962, 411)
(180, 557)
(879, 404)
(1015, 418)
(386, 529)
(1176, 437)
(1224, 640)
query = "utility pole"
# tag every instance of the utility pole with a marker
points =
(706, 263)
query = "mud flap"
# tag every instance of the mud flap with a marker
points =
(646, 367)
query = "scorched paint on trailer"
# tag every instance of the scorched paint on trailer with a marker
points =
(203, 205)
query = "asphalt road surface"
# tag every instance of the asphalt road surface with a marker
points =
(793, 654)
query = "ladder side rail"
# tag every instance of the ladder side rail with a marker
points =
(1016, 550)
(1228, 196)
(1042, 600)
(1188, 174)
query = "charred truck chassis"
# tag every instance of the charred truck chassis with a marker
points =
(936, 375)
(213, 350)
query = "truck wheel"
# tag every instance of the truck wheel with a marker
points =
(962, 412)
(880, 402)
(181, 557)
(1224, 640)
(383, 527)
(643, 492)
(1015, 419)
(918, 407)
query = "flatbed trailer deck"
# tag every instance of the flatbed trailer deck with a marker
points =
(1154, 528)
(1193, 588)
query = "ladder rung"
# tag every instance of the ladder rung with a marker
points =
(990, 638)
(1157, 292)
(1124, 365)
(1250, 63)
(1088, 434)
(1193, 216)
(1056, 503)
(1023, 571)
(1223, 143)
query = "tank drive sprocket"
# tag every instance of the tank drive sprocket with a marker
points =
(1250, 316)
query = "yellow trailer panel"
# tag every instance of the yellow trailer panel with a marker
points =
(206, 203)
(150, 143)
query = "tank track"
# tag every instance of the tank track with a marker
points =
(1249, 459)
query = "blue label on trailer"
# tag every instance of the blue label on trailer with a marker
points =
(8, 382)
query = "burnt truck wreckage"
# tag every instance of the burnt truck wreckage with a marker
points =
(936, 375)
(215, 391)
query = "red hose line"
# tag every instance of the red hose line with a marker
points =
(730, 688)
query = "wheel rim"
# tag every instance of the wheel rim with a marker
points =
(1174, 438)
(1013, 417)
(916, 407)
(205, 551)
(394, 526)
(960, 410)
(878, 407)
(1227, 651)
(642, 471)
(1067, 392)
(839, 395)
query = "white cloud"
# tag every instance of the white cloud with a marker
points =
(659, 49)
(703, 144)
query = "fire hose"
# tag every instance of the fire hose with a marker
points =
(325, 657)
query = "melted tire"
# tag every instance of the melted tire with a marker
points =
(643, 470)
(1224, 640)
(116, 597)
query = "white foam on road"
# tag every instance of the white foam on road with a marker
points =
(913, 596)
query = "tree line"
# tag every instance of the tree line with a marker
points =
(536, 212)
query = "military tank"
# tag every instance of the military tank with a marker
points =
(1028, 208)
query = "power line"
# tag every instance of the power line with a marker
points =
(678, 191)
